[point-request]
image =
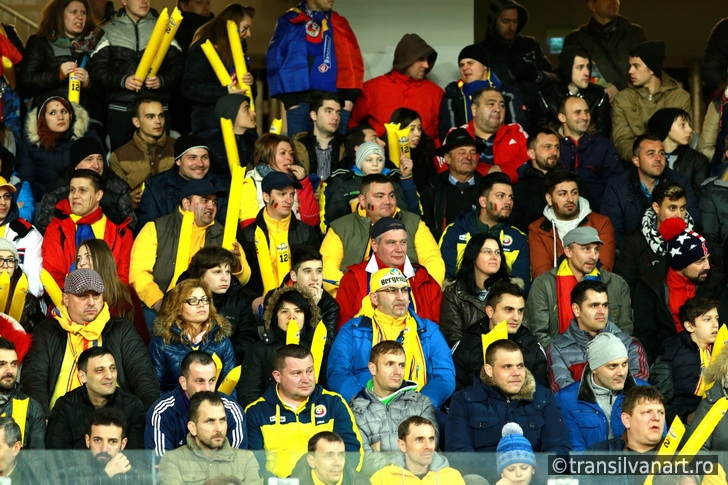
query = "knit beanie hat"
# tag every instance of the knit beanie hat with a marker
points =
(652, 54)
(604, 348)
(185, 143)
(514, 448)
(411, 48)
(684, 246)
(474, 51)
(661, 122)
(366, 149)
(84, 147)
(229, 105)
(6, 245)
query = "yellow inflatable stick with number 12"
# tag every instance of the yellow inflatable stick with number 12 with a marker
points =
(669, 445)
(174, 20)
(152, 47)
(392, 142)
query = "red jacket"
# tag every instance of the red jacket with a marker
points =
(354, 286)
(59, 242)
(541, 242)
(509, 150)
(384, 94)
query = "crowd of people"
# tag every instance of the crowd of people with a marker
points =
(531, 262)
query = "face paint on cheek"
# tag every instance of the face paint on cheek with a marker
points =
(370, 207)
(493, 206)
(275, 205)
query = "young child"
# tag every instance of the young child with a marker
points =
(678, 372)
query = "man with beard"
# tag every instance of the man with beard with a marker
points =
(628, 195)
(452, 193)
(208, 453)
(590, 155)
(662, 291)
(549, 303)
(26, 411)
(106, 439)
(568, 353)
(543, 150)
(565, 211)
(495, 203)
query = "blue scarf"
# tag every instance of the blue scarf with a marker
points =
(320, 43)
(469, 89)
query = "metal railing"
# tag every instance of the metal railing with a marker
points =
(25, 26)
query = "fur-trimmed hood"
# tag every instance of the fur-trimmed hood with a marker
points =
(527, 390)
(81, 123)
(718, 370)
(275, 295)
(219, 331)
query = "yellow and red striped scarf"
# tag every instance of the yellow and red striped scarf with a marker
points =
(565, 282)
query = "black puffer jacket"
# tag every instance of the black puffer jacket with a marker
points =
(68, 422)
(118, 54)
(693, 164)
(38, 72)
(116, 202)
(42, 365)
(676, 374)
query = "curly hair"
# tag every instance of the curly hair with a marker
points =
(171, 311)
(51, 19)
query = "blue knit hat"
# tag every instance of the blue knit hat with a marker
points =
(514, 448)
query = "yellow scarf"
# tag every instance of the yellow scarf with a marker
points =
(403, 330)
(274, 261)
(80, 338)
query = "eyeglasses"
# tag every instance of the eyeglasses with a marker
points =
(9, 262)
(490, 252)
(6, 196)
(394, 290)
(194, 301)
